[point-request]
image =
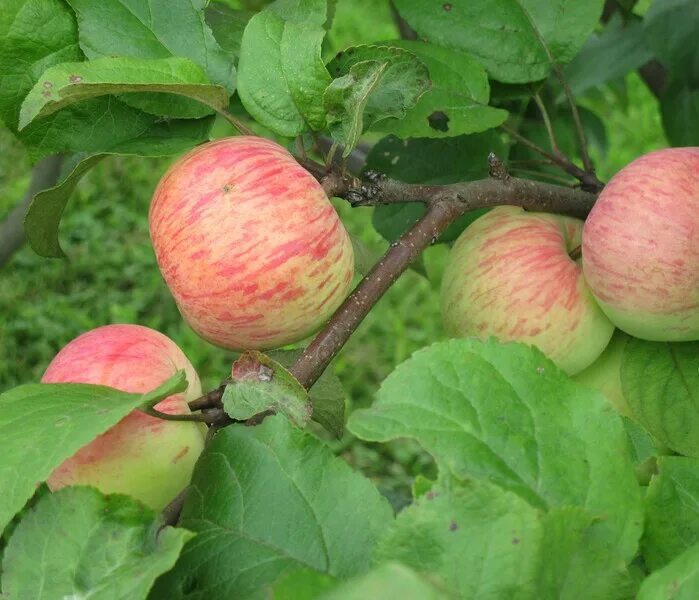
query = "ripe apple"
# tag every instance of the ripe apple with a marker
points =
(509, 276)
(148, 458)
(604, 375)
(641, 246)
(248, 243)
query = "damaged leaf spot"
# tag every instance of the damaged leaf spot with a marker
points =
(439, 121)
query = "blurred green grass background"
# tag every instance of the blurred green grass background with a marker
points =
(111, 276)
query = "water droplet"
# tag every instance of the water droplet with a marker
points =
(540, 370)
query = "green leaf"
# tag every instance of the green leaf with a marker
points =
(268, 500)
(660, 382)
(327, 394)
(619, 48)
(505, 413)
(565, 531)
(672, 510)
(67, 83)
(679, 107)
(345, 100)
(261, 384)
(455, 104)
(430, 161)
(372, 85)
(46, 209)
(78, 543)
(390, 580)
(43, 33)
(154, 29)
(227, 25)
(41, 425)
(677, 581)
(281, 74)
(446, 531)
(671, 31)
(516, 40)
(304, 584)
(645, 450)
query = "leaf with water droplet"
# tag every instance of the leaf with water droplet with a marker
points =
(260, 384)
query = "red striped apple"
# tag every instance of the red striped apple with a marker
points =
(641, 246)
(510, 276)
(248, 243)
(148, 458)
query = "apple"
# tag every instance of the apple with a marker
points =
(510, 276)
(248, 243)
(145, 457)
(604, 375)
(641, 246)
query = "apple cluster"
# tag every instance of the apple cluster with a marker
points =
(255, 256)
(564, 285)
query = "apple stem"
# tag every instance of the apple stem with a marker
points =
(576, 253)
(207, 417)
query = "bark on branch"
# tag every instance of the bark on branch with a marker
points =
(445, 204)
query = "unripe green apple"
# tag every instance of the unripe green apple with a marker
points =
(641, 246)
(148, 458)
(604, 375)
(248, 243)
(510, 276)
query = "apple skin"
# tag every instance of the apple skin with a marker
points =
(142, 456)
(509, 276)
(641, 246)
(604, 375)
(249, 244)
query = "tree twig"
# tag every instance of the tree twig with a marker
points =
(580, 131)
(317, 356)
(589, 181)
(547, 122)
(445, 204)
(237, 123)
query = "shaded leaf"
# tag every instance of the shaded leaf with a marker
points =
(67, 83)
(154, 29)
(516, 40)
(430, 161)
(672, 510)
(227, 25)
(64, 418)
(679, 580)
(78, 543)
(268, 500)
(660, 382)
(619, 48)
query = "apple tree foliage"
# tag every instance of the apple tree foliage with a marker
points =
(538, 492)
